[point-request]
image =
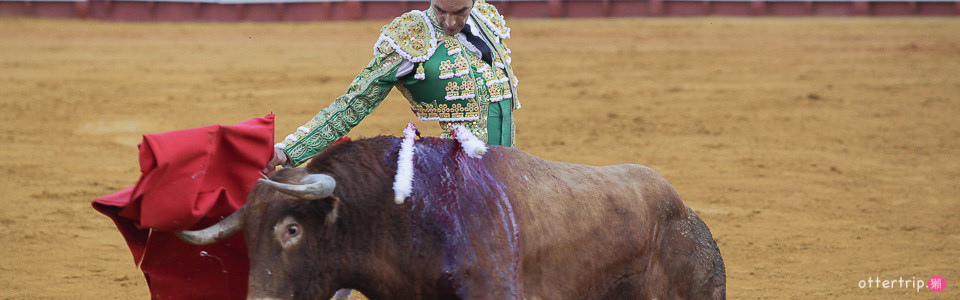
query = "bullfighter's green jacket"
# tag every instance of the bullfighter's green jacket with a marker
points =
(450, 84)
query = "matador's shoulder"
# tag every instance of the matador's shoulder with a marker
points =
(411, 35)
(488, 13)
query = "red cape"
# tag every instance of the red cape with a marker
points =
(191, 179)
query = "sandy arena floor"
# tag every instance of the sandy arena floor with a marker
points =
(820, 152)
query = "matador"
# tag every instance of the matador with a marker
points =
(449, 61)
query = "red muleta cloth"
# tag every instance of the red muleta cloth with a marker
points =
(191, 179)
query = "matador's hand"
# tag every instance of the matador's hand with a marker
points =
(279, 158)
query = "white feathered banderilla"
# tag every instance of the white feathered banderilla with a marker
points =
(403, 182)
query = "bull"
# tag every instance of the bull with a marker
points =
(508, 225)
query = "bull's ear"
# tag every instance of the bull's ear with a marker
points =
(334, 208)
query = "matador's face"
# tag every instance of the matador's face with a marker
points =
(452, 14)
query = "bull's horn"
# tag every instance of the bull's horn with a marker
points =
(312, 187)
(223, 229)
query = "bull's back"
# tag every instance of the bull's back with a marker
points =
(599, 231)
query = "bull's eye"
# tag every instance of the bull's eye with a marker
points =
(292, 229)
(288, 232)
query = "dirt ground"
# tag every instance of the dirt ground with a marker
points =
(821, 152)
